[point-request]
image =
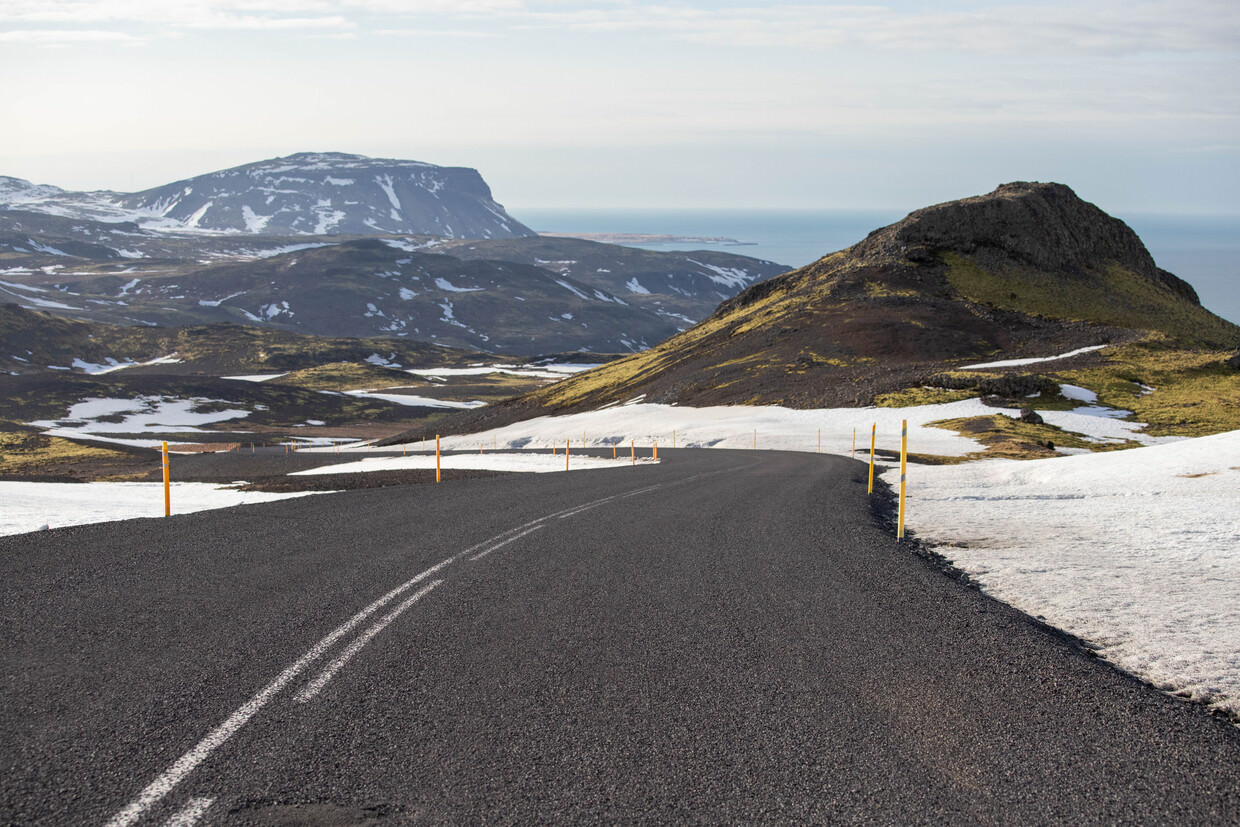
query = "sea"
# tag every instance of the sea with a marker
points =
(1202, 250)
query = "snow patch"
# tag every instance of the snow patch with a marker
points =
(572, 290)
(1125, 549)
(151, 414)
(1011, 363)
(30, 506)
(254, 223)
(444, 284)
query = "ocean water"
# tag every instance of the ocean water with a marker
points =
(1202, 250)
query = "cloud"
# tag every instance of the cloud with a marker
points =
(51, 37)
(1102, 27)
(210, 14)
(433, 33)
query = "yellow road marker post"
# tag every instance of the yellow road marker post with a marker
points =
(438, 475)
(903, 474)
(567, 447)
(656, 450)
(873, 430)
(633, 450)
(167, 487)
(613, 450)
(820, 440)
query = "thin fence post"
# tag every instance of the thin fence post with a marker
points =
(873, 431)
(167, 487)
(438, 476)
(903, 474)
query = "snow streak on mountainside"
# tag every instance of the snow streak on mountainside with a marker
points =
(302, 194)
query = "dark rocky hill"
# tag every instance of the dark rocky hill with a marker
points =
(516, 296)
(33, 342)
(1029, 270)
(681, 287)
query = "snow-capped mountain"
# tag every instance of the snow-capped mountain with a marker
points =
(303, 194)
(345, 245)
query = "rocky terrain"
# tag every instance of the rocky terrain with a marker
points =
(328, 244)
(1028, 270)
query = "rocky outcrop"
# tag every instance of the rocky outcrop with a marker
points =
(1028, 270)
(1043, 225)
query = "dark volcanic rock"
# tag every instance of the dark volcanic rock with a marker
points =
(1044, 225)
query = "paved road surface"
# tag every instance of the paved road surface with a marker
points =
(725, 637)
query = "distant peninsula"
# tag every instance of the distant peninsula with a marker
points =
(650, 238)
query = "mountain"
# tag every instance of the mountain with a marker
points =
(556, 295)
(38, 342)
(382, 287)
(308, 193)
(1029, 270)
(681, 287)
(344, 245)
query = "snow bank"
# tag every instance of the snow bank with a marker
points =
(528, 463)
(1135, 551)
(30, 506)
(735, 426)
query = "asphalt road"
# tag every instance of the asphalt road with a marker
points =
(724, 637)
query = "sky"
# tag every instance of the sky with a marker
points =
(636, 104)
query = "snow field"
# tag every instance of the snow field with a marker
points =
(31, 506)
(522, 462)
(777, 428)
(1136, 552)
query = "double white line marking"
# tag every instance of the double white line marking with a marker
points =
(187, 763)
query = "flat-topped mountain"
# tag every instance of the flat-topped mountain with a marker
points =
(345, 245)
(310, 193)
(1029, 270)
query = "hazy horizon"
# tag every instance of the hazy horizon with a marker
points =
(628, 103)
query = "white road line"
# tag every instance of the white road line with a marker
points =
(188, 815)
(186, 764)
(311, 689)
(503, 543)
